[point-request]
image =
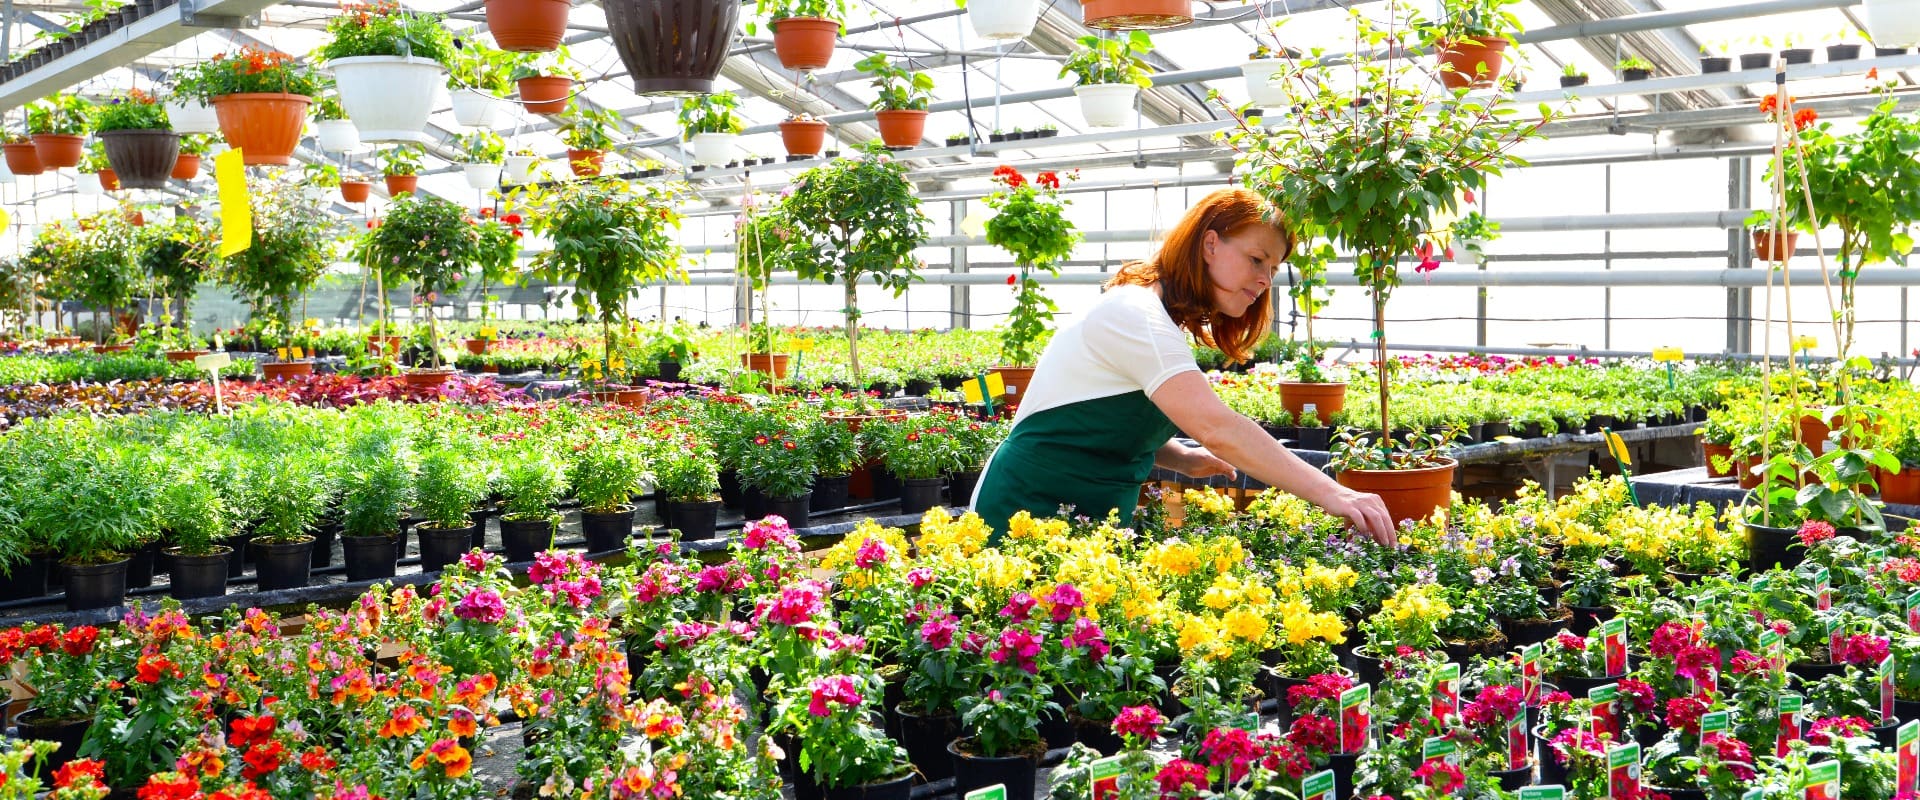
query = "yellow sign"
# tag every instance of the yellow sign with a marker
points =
(298, 353)
(4, 218)
(1617, 447)
(1668, 354)
(236, 210)
(803, 345)
(1805, 342)
(281, 352)
(996, 387)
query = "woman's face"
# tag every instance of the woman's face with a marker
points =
(1242, 266)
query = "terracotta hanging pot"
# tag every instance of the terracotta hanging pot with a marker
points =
(356, 191)
(186, 167)
(23, 158)
(1409, 493)
(803, 137)
(545, 94)
(1128, 15)
(586, 163)
(1769, 245)
(401, 184)
(109, 180)
(672, 46)
(804, 43)
(901, 128)
(264, 126)
(143, 159)
(1476, 61)
(527, 26)
(60, 149)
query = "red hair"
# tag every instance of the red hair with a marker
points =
(1185, 287)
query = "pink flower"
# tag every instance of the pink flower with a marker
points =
(1746, 663)
(771, 531)
(482, 605)
(1441, 776)
(1733, 754)
(919, 577)
(938, 633)
(474, 561)
(1019, 607)
(1231, 748)
(1087, 634)
(1823, 731)
(797, 603)
(842, 690)
(1861, 649)
(1494, 707)
(725, 579)
(1065, 599)
(872, 553)
(1140, 722)
(1639, 693)
(1020, 646)
(1570, 641)
(1814, 531)
(1683, 713)
(1314, 733)
(974, 643)
(1180, 777)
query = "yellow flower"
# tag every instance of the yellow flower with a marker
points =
(1174, 558)
(944, 538)
(1197, 633)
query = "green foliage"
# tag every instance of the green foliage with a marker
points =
(532, 479)
(191, 513)
(919, 446)
(60, 113)
(178, 254)
(448, 485)
(289, 488)
(292, 244)
(1107, 61)
(378, 491)
(775, 458)
(475, 65)
(1476, 18)
(608, 474)
(195, 144)
(400, 159)
(136, 111)
(480, 147)
(1473, 230)
(92, 497)
(776, 10)
(898, 88)
(387, 29)
(1633, 62)
(248, 71)
(687, 474)
(711, 113)
(92, 262)
(609, 239)
(327, 107)
(590, 129)
(836, 448)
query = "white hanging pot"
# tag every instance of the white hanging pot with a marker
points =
(6, 173)
(1260, 86)
(1003, 19)
(482, 176)
(1469, 252)
(336, 135)
(1893, 23)
(519, 169)
(192, 116)
(388, 97)
(713, 149)
(88, 184)
(1107, 105)
(474, 109)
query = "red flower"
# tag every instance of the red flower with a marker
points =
(1139, 721)
(1011, 280)
(262, 759)
(74, 771)
(249, 731)
(170, 786)
(1181, 776)
(1683, 713)
(1814, 531)
(1048, 179)
(1441, 776)
(1804, 117)
(79, 641)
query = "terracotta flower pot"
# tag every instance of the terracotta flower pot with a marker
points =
(672, 46)
(1408, 493)
(1126, 15)
(264, 126)
(282, 370)
(771, 363)
(401, 184)
(1327, 399)
(803, 137)
(1901, 487)
(428, 377)
(545, 94)
(60, 149)
(1475, 61)
(385, 344)
(1709, 451)
(804, 43)
(901, 127)
(23, 158)
(586, 163)
(111, 348)
(1016, 379)
(142, 159)
(479, 346)
(186, 167)
(527, 26)
(356, 191)
(1771, 245)
(184, 355)
(109, 180)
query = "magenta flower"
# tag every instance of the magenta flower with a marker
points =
(1019, 607)
(1142, 722)
(919, 578)
(796, 604)
(938, 633)
(771, 531)
(482, 605)
(872, 553)
(1065, 600)
(841, 690)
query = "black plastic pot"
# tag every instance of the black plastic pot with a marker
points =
(829, 493)
(926, 738)
(960, 487)
(1635, 74)
(1552, 772)
(1512, 779)
(25, 579)
(1883, 52)
(1798, 55)
(1756, 60)
(283, 565)
(1570, 81)
(919, 387)
(370, 557)
(1906, 710)
(919, 494)
(1368, 666)
(1772, 547)
(1713, 64)
(140, 566)
(607, 532)
(1843, 52)
(323, 538)
(67, 733)
(479, 531)
(669, 371)
(1523, 632)
(977, 772)
(793, 509)
(442, 546)
(731, 493)
(95, 585)
(1342, 766)
(1097, 734)
(753, 503)
(695, 520)
(1579, 686)
(885, 485)
(242, 555)
(1586, 618)
(1315, 438)
(899, 788)
(198, 576)
(525, 538)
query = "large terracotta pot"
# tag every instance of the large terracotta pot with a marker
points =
(545, 94)
(672, 46)
(264, 126)
(804, 42)
(60, 149)
(282, 370)
(774, 364)
(1126, 15)
(526, 26)
(356, 191)
(401, 184)
(1709, 451)
(803, 137)
(428, 377)
(1016, 380)
(1468, 57)
(186, 167)
(901, 127)
(1327, 399)
(23, 158)
(1767, 243)
(1408, 493)
(1901, 487)
(586, 163)
(143, 159)
(109, 180)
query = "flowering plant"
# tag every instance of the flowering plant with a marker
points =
(1316, 715)
(386, 28)
(1004, 720)
(251, 70)
(607, 474)
(138, 110)
(1031, 224)
(918, 446)
(839, 744)
(778, 463)
(427, 240)
(63, 668)
(1410, 618)
(1572, 655)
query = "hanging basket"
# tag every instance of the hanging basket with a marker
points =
(264, 126)
(474, 109)
(1769, 244)
(109, 180)
(336, 135)
(901, 128)
(1893, 23)
(186, 167)
(356, 191)
(803, 137)
(388, 98)
(1136, 15)
(714, 149)
(1003, 19)
(545, 94)
(519, 169)
(1107, 105)
(23, 158)
(586, 163)
(89, 186)
(1260, 85)
(401, 184)
(144, 159)
(527, 26)
(804, 43)
(60, 149)
(672, 47)
(482, 177)
(192, 116)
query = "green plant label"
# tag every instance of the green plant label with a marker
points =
(1760, 583)
(1770, 644)
(997, 791)
(1549, 792)
(1318, 786)
(1908, 750)
(1356, 722)
(1755, 793)
(1439, 748)
(1530, 673)
(1613, 635)
(1823, 589)
(1249, 722)
(1823, 781)
(1446, 691)
(1602, 698)
(1105, 776)
(1886, 690)
(1834, 632)
(1788, 705)
(1714, 722)
(1913, 611)
(1623, 772)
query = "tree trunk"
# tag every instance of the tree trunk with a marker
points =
(853, 335)
(1380, 351)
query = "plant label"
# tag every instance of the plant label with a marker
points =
(1318, 786)
(1530, 674)
(1446, 691)
(802, 345)
(1760, 583)
(1549, 792)
(1770, 644)
(1788, 705)
(1908, 749)
(213, 362)
(1249, 722)
(1823, 781)
(1356, 723)
(297, 352)
(1823, 589)
(280, 352)
(1835, 632)
(1517, 741)
(1440, 749)
(1714, 722)
(1885, 671)
(1913, 611)
(1104, 775)
(1604, 722)
(997, 791)
(1755, 793)
(1623, 772)
(1613, 636)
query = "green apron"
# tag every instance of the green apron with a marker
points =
(1092, 455)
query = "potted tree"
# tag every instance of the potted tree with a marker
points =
(1030, 223)
(1471, 41)
(141, 145)
(900, 102)
(803, 30)
(400, 167)
(1332, 177)
(104, 273)
(332, 131)
(59, 125)
(711, 123)
(387, 64)
(426, 240)
(177, 255)
(480, 154)
(261, 98)
(1312, 392)
(377, 489)
(589, 134)
(292, 245)
(446, 487)
(1110, 74)
(532, 480)
(852, 220)
(476, 76)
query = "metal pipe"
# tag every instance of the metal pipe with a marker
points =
(1582, 352)
(1703, 278)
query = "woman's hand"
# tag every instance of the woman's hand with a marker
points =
(1365, 512)
(1196, 462)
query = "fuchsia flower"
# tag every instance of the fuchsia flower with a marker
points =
(1313, 732)
(1557, 698)
(724, 578)
(1823, 731)
(1441, 776)
(1683, 713)
(919, 577)
(1021, 646)
(1324, 686)
(772, 531)
(1639, 693)
(1572, 740)
(482, 605)
(1231, 748)
(938, 633)
(475, 561)
(1746, 663)
(842, 690)
(798, 603)
(1571, 641)
(974, 643)
(1733, 753)
(1495, 706)
(872, 553)
(1181, 776)
(1019, 607)
(1065, 599)
(1142, 722)
(1861, 649)
(1087, 634)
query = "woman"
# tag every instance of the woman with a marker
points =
(1110, 390)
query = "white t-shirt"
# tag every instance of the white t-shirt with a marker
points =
(1126, 343)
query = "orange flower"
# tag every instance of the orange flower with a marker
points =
(1804, 117)
(404, 722)
(452, 758)
(462, 723)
